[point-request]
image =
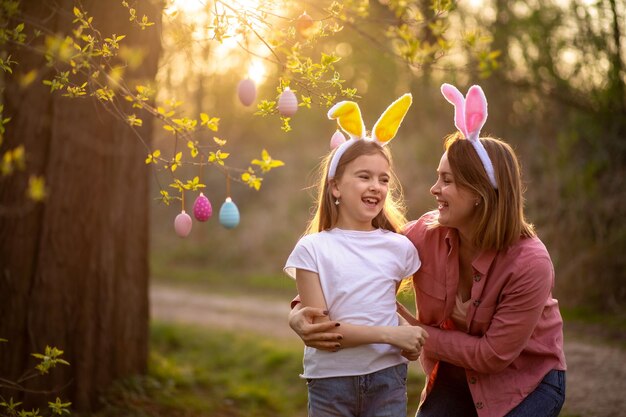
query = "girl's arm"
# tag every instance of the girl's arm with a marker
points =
(409, 338)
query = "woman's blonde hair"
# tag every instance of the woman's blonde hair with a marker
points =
(500, 220)
(392, 216)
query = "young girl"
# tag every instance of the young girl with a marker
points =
(350, 263)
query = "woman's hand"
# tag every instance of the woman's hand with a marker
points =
(318, 336)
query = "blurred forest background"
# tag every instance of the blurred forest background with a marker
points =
(75, 271)
(556, 93)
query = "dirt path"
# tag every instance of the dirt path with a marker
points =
(596, 378)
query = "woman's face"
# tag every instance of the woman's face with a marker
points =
(456, 205)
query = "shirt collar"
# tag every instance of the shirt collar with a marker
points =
(482, 262)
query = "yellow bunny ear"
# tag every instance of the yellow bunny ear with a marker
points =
(348, 117)
(389, 122)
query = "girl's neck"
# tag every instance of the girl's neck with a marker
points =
(355, 227)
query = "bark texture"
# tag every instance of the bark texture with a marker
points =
(74, 270)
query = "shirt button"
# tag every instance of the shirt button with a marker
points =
(479, 405)
(477, 277)
(472, 380)
(476, 303)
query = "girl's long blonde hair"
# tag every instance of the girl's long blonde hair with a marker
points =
(392, 216)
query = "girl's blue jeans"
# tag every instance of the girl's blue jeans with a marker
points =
(379, 394)
(450, 396)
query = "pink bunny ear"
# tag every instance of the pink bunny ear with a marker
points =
(470, 115)
(475, 111)
(454, 96)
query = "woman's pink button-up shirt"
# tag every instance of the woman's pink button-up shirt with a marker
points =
(515, 332)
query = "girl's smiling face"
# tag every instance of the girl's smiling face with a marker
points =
(361, 191)
(456, 205)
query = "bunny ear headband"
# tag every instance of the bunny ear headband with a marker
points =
(470, 115)
(348, 116)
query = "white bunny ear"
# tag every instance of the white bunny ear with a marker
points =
(475, 111)
(454, 96)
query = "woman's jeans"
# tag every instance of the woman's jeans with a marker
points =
(379, 394)
(451, 397)
(546, 400)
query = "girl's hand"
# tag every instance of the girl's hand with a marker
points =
(411, 355)
(318, 336)
(408, 338)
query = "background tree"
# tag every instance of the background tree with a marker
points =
(562, 87)
(554, 75)
(74, 271)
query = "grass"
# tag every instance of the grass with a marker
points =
(594, 327)
(186, 266)
(197, 372)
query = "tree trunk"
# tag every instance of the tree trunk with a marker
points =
(74, 270)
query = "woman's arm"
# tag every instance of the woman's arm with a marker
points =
(404, 337)
(512, 324)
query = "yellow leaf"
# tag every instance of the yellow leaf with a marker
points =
(36, 188)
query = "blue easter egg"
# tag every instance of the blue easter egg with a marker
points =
(229, 214)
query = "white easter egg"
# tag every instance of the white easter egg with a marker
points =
(287, 103)
(336, 139)
(246, 90)
(182, 224)
(229, 214)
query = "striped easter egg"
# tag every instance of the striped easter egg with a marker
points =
(229, 214)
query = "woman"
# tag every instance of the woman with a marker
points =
(483, 293)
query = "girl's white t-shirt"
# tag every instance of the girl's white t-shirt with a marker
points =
(358, 273)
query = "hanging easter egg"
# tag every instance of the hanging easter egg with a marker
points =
(246, 90)
(287, 103)
(229, 214)
(304, 25)
(182, 224)
(202, 209)
(336, 139)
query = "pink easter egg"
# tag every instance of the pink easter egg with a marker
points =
(182, 224)
(336, 139)
(287, 103)
(202, 209)
(246, 90)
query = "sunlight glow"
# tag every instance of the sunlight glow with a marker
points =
(257, 71)
(239, 50)
(185, 6)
